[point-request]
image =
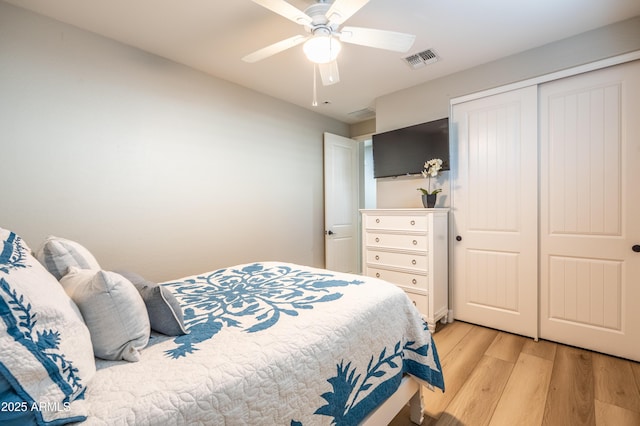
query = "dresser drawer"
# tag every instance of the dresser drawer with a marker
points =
(400, 223)
(397, 241)
(421, 301)
(398, 260)
(403, 279)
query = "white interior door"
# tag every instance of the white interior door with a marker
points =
(341, 203)
(494, 262)
(590, 210)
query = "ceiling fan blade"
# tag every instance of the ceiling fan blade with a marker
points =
(381, 39)
(285, 9)
(274, 48)
(329, 73)
(341, 10)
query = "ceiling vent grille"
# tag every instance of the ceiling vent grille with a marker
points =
(363, 114)
(420, 59)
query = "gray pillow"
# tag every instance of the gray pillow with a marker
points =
(165, 312)
(113, 311)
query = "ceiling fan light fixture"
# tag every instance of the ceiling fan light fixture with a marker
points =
(322, 49)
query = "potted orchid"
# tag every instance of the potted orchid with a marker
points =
(431, 169)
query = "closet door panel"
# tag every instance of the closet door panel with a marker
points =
(494, 210)
(584, 155)
(494, 276)
(589, 210)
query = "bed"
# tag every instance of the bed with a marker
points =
(265, 343)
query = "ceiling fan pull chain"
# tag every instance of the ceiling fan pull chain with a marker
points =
(315, 85)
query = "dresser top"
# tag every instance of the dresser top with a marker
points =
(406, 211)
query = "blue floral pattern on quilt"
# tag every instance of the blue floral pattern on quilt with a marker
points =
(252, 298)
(20, 321)
(13, 254)
(345, 402)
(44, 345)
(354, 394)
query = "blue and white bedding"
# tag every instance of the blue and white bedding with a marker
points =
(270, 343)
(46, 358)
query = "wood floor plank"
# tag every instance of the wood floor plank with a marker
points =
(611, 415)
(475, 403)
(541, 348)
(635, 366)
(583, 388)
(457, 365)
(570, 400)
(449, 336)
(614, 382)
(506, 347)
(523, 399)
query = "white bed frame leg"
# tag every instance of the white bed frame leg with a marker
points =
(416, 407)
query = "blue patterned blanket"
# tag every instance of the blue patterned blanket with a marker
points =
(271, 343)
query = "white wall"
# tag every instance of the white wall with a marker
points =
(153, 166)
(430, 101)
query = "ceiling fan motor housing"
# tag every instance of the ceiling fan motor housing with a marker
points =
(319, 20)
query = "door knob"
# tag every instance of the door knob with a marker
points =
(636, 248)
(458, 238)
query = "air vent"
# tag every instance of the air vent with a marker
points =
(363, 114)
(420, 59)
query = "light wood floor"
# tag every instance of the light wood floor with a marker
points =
(496, 378)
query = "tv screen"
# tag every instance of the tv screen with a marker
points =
(404, 151)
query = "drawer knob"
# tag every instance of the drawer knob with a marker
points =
(377, 274)
(377, 257)
(377, 220)
(414, 303)
(413, 222)
(415, 242)
(414, 281)
(377, 240)
(413, 262)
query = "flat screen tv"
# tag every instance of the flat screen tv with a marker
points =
(404, 151)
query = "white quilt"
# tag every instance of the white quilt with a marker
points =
(270, 344)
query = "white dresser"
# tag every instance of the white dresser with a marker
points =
(409, 247)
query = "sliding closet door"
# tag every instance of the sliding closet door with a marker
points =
(494, 261)
(590, 210)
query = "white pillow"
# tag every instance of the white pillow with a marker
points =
(59, 254)
(112, 309)
(45, 347)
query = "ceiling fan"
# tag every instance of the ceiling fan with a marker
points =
(322, 21)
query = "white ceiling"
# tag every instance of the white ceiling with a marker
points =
(213, 35)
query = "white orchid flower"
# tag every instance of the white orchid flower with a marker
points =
(431, 169)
